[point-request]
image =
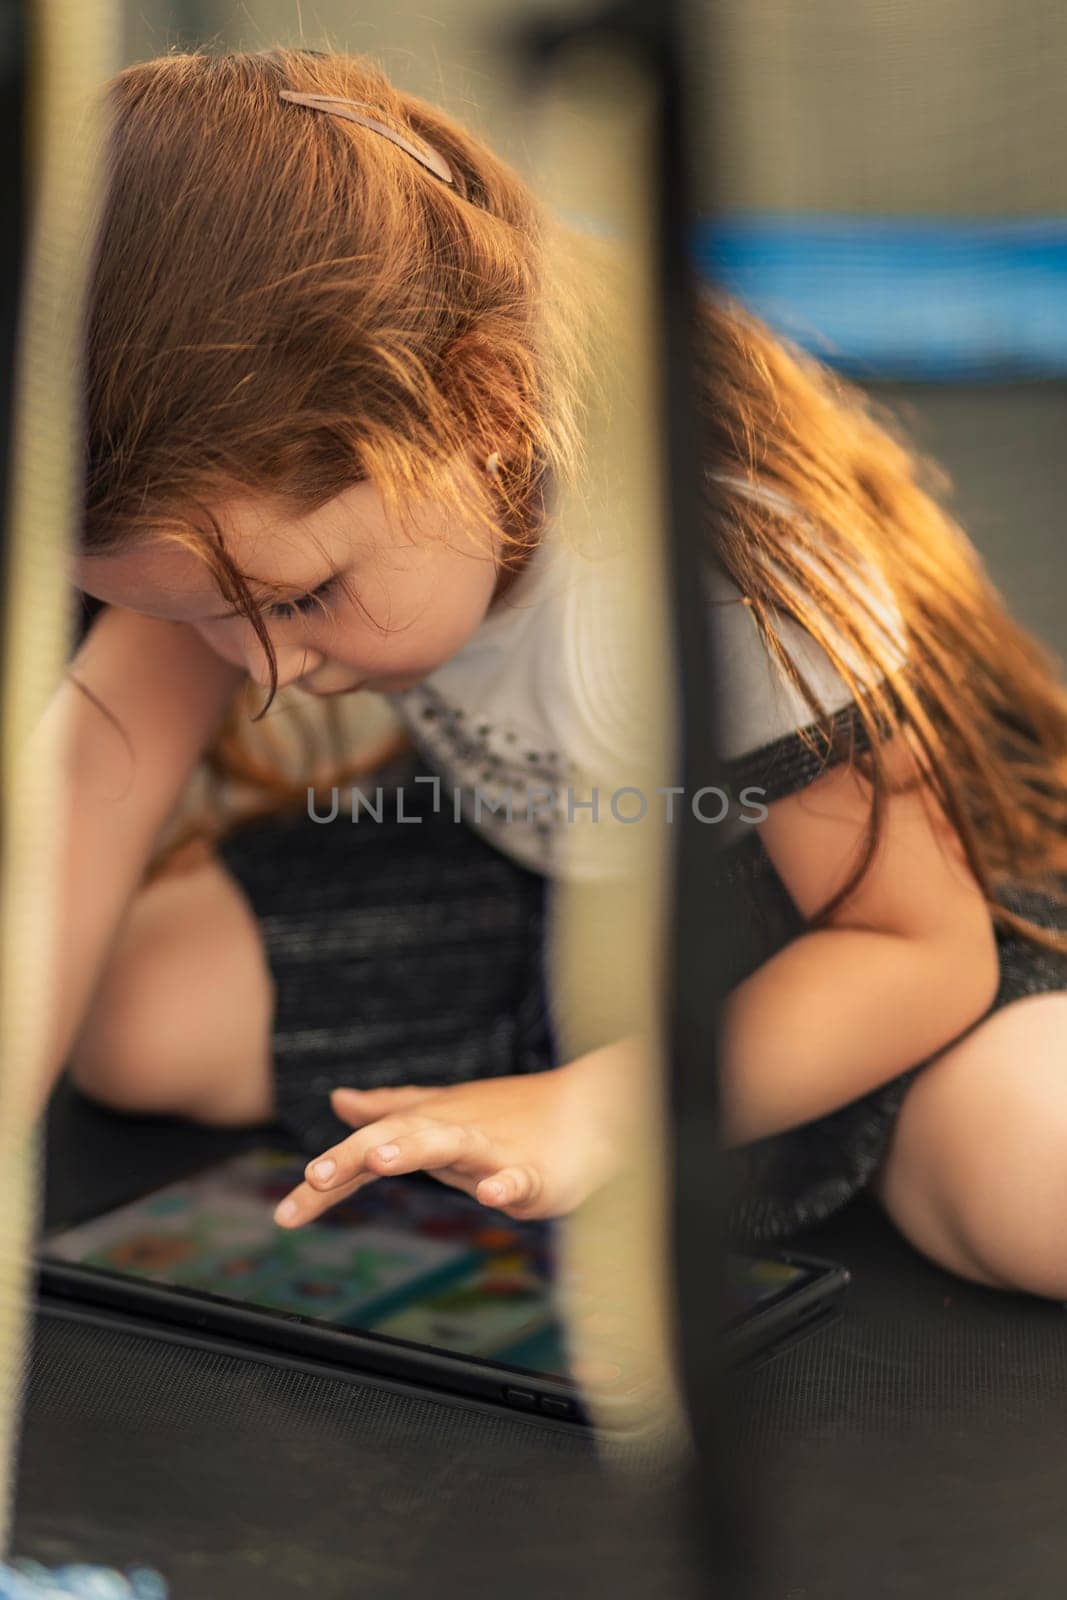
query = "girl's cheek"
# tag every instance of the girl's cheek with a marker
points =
(247, 652)
(338, 638)
(238, 644)
(224, 644)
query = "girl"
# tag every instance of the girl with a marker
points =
(334, 360)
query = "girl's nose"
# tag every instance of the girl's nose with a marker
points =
(294, 661)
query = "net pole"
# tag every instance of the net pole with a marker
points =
(70, 49)
(623, 156)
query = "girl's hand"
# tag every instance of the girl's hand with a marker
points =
(534, 1145)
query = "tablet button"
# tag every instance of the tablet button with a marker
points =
(521, 1397)
(556, 1408)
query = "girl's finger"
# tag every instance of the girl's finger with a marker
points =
(346, 1160)
(511, 1186)
(441, 1144)
(304, 1204)
(358, 1106)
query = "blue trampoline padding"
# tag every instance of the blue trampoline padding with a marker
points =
(902, 297)
(29, 1580)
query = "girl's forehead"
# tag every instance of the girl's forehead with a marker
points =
(156, 577)
(269, 548)
(262, 532)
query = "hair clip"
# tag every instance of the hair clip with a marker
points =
(340, 107)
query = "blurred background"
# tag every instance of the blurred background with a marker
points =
(893, 194)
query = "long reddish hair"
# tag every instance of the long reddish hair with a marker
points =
(285, 303)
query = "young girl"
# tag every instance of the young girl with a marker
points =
(334, 363)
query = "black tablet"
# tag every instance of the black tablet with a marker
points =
(407, 1280)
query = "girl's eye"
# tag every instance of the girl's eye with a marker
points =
(283, 610)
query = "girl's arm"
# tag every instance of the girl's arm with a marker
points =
(167, 691)
(907, 964)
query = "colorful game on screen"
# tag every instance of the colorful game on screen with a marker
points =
(407, 1257)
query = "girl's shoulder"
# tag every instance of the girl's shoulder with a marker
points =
(566, 644)
(760, 705)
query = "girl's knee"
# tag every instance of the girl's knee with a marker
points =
(155, 1049)
(1012, 1211)
(917, 1204)
(1016, 1199)
(122, 1059)
(976, 1174)
(180, 1023)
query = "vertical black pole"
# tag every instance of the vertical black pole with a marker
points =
(659, 37)
(696, 951)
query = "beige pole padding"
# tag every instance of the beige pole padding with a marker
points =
(73, 49)
(594, 147)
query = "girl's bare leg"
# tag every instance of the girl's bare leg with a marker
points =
(976, 1173)
(181, 1020)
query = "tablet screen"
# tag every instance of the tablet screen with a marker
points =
(407, 1257)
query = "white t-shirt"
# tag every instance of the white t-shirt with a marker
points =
(526, 718)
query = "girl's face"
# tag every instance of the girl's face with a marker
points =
(349, 601)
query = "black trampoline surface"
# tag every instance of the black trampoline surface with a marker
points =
(914, 1448)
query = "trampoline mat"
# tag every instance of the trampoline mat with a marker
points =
(914, 1448)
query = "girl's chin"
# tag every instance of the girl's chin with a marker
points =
(397, 685)
(376, 685)
(394, 684)
(330, 694)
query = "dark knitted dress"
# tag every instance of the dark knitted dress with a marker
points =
(414, 953)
